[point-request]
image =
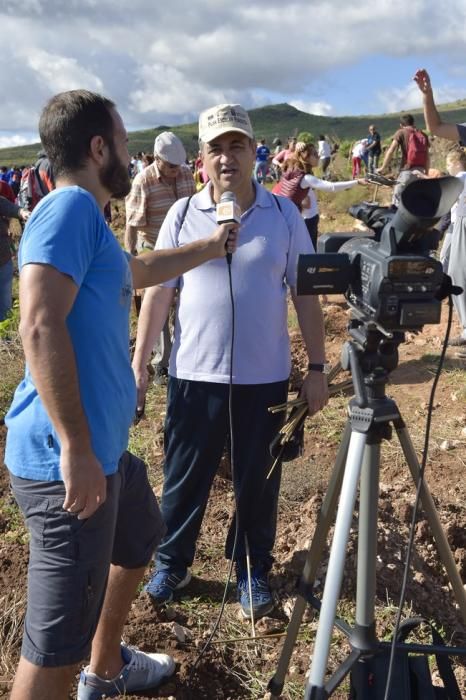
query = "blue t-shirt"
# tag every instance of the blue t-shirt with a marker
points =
(262, 153)
(68, 231)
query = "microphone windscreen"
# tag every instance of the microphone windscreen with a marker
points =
(228, 211)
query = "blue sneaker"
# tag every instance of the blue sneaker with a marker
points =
(140, 672)
(262, 601)
(164, 582)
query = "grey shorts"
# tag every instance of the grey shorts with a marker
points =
(405, 177)
(69, 559)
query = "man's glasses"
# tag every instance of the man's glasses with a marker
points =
(166, 164)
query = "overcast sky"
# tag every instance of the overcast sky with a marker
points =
(162, 61)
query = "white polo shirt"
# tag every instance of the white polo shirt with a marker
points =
(459, 208)
(263, 266)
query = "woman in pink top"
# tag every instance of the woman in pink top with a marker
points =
(280, 158)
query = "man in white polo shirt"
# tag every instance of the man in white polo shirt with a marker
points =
(271, 237)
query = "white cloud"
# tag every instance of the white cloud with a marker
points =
(164, 61)
(59, 73)
(10, 140)
(320, 108)
(164, 88)
(408, 97)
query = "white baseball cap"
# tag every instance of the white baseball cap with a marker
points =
(221, 119)
(169, 148)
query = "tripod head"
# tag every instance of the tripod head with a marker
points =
(371, 355)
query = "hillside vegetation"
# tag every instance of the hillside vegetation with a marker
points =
(281, 120)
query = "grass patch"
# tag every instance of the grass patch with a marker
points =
(339, 202)
(11, 354)
(17, 530)
(12, 364)
(13, 608)
(293, 324)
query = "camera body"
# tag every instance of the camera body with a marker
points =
(388, 277)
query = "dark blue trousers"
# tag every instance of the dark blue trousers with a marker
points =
(196, 432)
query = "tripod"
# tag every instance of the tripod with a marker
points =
(370, 414)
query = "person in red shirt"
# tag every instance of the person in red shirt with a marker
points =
(7, 192)
(8, 210)
(408, 170)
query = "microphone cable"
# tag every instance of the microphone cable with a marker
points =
(420, 484)
(232, 462)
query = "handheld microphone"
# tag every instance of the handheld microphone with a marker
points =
(228, 212)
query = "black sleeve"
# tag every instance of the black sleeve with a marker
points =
(462, 133)
(444, 222)
(8, 209)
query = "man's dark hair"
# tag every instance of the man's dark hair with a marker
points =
(67, 125)
(322, 137)
(407, 120)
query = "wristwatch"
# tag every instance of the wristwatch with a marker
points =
(323, 367)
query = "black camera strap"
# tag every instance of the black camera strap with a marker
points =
(443, 662)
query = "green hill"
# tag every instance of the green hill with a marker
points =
(272, 121)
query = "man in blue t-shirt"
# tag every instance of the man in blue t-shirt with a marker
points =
(262, 161)
(93, 520)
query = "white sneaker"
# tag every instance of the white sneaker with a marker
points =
(140, 672)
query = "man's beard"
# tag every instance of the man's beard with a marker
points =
(114, 176)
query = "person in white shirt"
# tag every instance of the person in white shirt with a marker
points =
(456, 242)
(310, 207)
(357, 154)
(325, 152)
(453, 253)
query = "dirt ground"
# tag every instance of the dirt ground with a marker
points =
(233, 666)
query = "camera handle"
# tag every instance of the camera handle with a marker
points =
(358, 462)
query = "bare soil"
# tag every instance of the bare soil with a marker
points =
(236, 668)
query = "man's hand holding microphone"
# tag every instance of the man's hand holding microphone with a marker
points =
(223, 240)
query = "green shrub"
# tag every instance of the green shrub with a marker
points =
(345, 148)
(10, 325)
(11, 358)
(306, 136)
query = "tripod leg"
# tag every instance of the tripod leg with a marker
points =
(363, 637)
(313, 558)
(336, 563)
(433, 519)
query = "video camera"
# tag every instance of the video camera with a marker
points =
(388, 276)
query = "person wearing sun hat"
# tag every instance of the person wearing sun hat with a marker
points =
(272, 234)
(153, 192)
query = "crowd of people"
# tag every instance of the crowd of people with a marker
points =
(12, 177)
(94, 522)
(20, 188)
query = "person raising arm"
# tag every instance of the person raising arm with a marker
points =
(434, 123)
